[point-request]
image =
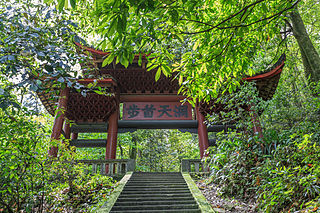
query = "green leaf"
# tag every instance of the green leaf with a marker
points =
(100, 92)
(61, 4)
(196, 45)
(203, 68)
(152, 67)
(180, 37)
(264, 7)
(174, 16)
(166, 70)
(234, 73)
(158, 74)
(73, 3)
(230, 89)
(108, 60)
(112, 27)
(140, 60)
(124, 61)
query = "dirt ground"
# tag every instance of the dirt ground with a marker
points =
(224, 205)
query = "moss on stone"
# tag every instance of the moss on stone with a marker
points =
(204, 205)
(115, 194)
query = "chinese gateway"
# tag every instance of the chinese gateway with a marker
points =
(146, 104)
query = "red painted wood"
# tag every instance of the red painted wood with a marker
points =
(111, 147)
(156, 111)
(66, 129)
(151, 98)
(270, 74)
(105, 81)
(102, 53)
(136, 81)
(74, 136)
(256, 123)
(92, 108)
(58, 120)
(202, 133)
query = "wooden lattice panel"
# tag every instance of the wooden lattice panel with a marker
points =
(210, 108)
(267, 87)
(92, 108)
(49, 100)
(141, 81)
(266, 84)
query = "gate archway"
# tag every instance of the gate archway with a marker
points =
(147, 104)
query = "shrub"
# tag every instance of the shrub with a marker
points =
(291, 180)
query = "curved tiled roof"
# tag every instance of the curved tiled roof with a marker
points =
(266, 82)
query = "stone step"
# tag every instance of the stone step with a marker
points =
(130, 188)
(141, 199)
(156, 192)
(160, 211)
(155, 202)
(156, 207)
(163, 191)
(157, 195)
(155, 184)
(152, 174)
(155, 174)
(155, 181)
(155, 188)
(158, 178)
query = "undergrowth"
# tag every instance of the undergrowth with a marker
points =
(281, 170)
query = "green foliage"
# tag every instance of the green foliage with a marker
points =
(158, 150)
(209, 46)
(231, 164)
(285, 179)
(291, 179)
(212, 44)
(281, 170)
(162, 150)
(23, 171)
(80, 193)
(36, 47)
(32, 182)
(92, 153)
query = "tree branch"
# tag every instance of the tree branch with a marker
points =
(264, 19)
(234, 15)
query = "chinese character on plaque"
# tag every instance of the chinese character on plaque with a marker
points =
(156, 111)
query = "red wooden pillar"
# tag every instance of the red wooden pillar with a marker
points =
(202, 133)
(256, 124)
(111, 147)
(58, 120)
(74, 136)
(66, 129)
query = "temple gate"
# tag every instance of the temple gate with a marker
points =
(146, 104)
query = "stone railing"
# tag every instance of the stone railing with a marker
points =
(192, 165)
(109, 167)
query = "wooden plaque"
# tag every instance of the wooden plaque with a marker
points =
(156, 111)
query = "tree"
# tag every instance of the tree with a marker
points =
(35, 48)
(310, 57)
(213, 44)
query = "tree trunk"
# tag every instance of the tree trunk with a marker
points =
(310, 57)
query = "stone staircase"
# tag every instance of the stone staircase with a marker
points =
(155, 192)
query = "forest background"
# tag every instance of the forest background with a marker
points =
(210, 46)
